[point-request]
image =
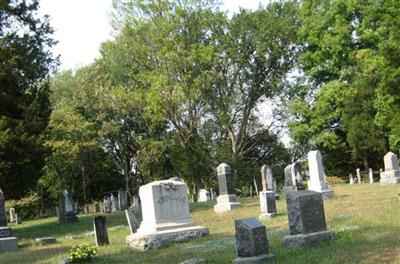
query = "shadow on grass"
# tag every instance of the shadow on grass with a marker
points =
(50, 227)
(40, 254)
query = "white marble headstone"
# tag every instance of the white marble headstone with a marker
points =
(391, 161)
(317, 174)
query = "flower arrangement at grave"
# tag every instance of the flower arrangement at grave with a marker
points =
(82, 253)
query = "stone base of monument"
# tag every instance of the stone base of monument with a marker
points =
(390, 177)
(265, 258)
(308, 239)
(68, 217)
(7, 242)
(226, 202)
(158, 239)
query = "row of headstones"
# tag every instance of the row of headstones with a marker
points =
(391, 175)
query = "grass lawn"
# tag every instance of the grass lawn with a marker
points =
(365, 217)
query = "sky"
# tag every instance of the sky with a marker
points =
(82, 25)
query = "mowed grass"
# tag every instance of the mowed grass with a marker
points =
(365, 217)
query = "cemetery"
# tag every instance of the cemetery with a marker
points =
(185, 132)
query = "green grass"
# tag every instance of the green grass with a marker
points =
(366, 218)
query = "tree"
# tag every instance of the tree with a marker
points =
(24, 94)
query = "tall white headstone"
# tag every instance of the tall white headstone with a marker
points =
(226, 200)
(371, 176)
(12, 215)
(351, 179)
(317, 175)
(113, 203)
(391, 175)
(204, 196)
(358, 175)
(166, 217)
(267, 196)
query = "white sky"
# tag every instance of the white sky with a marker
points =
(81, 25)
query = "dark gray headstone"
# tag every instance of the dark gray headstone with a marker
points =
(305, 212)
(100, 230)
(251, 238)
(225, 179)
(132, 221)
(288, 176)
(3, 216)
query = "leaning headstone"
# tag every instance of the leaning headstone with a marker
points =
(358, 175)
(226, 200)
(7, 241)
(132, 221)
(251, 242)
(351, 179)
(306, 216)
(12, 215)
(122, 200)
(166, 216)
(267, 195)
(204, 196)
(100, 230)
(371, 176)
(391, 175)
(66, 209)
(113, 203)
(317, 175)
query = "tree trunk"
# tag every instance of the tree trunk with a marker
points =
(365, 161)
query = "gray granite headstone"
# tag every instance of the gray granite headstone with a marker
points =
(67, 212)
(100, 230)
(122, 200)
(251, 241)
(3, 216)
(225, 180)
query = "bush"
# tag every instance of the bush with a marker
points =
(27, 207)
(82, 253)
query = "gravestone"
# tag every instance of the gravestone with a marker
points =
(12, 215)
(351, 179)
(100, 230)
(66, 209)
(317, 175)
(7, 241)
(391, 175)
(107, 205)
(166, 217)
(277, 196)
(113, 203)
(371, 176)
(267, 195)
(358, 175)
(293, 177)
(132, 221)
(251, 242)
(18, 220)
(204, 196)
(306, 216)
(226, 200)
(122, 200)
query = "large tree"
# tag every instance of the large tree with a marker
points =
(24, 95)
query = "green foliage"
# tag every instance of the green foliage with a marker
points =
(27, 207)
(82, 253)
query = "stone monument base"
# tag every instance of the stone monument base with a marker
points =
(68, 217)
(308, 239)
(265, 258)
(158, 239)
(226, 202)
(390, 177)
(265, 216)
(8, 244)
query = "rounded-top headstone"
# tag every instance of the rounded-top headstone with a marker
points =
(391, 161)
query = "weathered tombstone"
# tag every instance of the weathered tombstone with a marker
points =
(204, 196)
(371, 176)
(391, 175)
(317, 175)
(358, 175)
(267, 196)
(100, 230)
(12, 215)
(136, 202)
(226, 200)
(251, 242)
(18, 220)
(7, 241)
(122, 200)
(132, 221)
(66, 209)
(113, 203)
(293, 177)
(351, 179)
(306, 219)
(166, 217)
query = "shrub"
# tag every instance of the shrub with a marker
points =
(82, 253)
(27, 207)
